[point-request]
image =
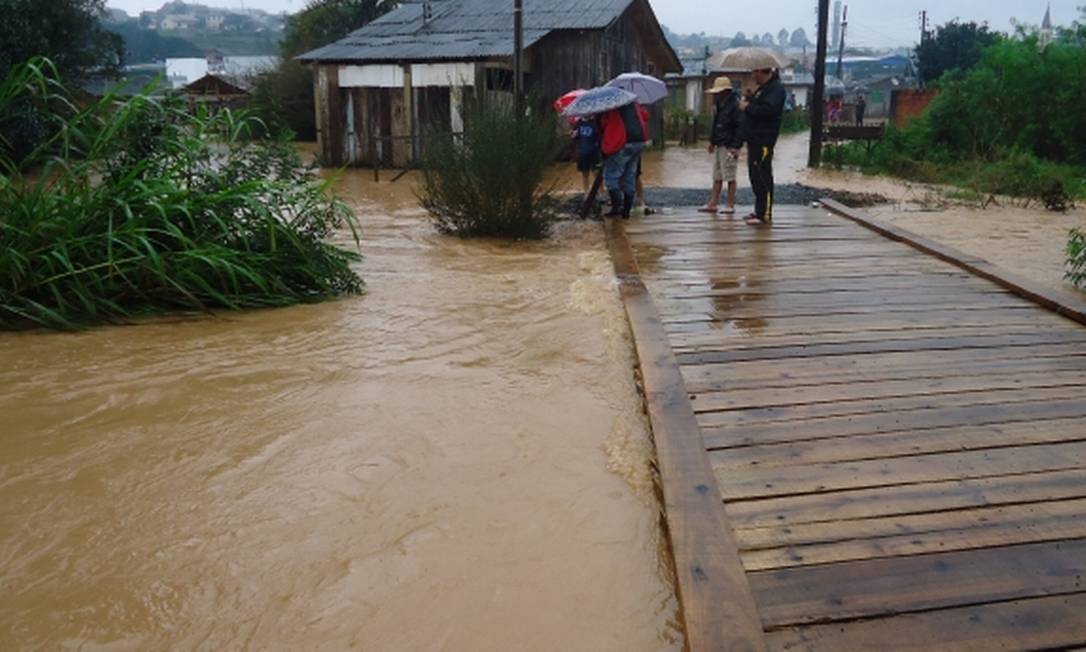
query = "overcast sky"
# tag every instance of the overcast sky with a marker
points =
(871, 22)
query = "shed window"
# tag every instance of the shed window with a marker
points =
(499, 79)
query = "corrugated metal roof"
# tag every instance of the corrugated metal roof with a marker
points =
(464, 29)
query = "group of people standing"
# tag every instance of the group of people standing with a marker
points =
(754, 121)
(619, 137)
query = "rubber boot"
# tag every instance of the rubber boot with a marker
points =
(616, 203)
(627, 206)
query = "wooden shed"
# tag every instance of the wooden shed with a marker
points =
(382, 86)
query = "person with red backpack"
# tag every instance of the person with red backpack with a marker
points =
(624, 136)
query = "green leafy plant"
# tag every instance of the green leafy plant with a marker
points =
(489, 181)
(1076, 258)
(138, 206)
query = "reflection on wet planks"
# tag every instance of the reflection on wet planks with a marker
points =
(900, 446)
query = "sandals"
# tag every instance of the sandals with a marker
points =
(754, 220)
(726, 211)
(707, 209)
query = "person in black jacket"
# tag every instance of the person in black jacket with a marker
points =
(724, 142)
(761, 126)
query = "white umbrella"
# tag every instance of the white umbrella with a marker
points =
(599, 100)
(649, 90)
(751, 59)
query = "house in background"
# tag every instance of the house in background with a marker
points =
(377, 90)
(217, 91)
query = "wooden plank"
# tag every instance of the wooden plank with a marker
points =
(901, 444)
(705, 343)
(899, 471)
(885, 346)
(717, 605)
(904, 319)
(823, 543)
(786, 375)
(882, 587)
(985, 404)
(946, 495)
(952, 413)
(1046, 623)
(744, 399)
(1068, 304)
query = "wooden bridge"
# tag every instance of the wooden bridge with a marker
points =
(867, 441)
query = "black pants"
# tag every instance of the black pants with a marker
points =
(760, 166)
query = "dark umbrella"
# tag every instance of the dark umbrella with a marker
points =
(599, 100)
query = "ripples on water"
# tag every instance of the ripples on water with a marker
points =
(421, 468)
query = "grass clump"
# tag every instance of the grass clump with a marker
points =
(489, 181)
(796, 121)
(1076, 258)
(138, 207)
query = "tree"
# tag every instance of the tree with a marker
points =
(767, 40)
(68, 32)
(740, 40)
(799, 39)
(782, 38)
(283, 98)
(955, 48)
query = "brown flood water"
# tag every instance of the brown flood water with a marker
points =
(455, 461)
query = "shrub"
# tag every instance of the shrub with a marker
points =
(139, 207)
(489, 180)
(795, 122)
(1076, 258)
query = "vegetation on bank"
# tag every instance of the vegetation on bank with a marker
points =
(1076, 258)
(137, 206)
(1012, 125)
(489, 181)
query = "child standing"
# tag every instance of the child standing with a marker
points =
(587, 136)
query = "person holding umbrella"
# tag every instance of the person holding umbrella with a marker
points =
(761, 128)
(649, 90)
(624, 136)
(724, 142)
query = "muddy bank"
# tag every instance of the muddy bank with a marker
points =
(455, 461)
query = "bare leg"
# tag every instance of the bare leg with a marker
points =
(586, 182)
(640, 190)
(714, 199)
(731, 194)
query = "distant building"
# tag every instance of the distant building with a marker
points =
(214, 22)
(218, 91)
(178, 23)
(382, 86)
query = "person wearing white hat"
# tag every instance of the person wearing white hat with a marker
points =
(725, 142)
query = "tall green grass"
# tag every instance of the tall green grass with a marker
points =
(489, 181)
(138, 206)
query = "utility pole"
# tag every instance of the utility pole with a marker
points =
(518, 47)
(841, 46)
(817, 108)
(923, 38)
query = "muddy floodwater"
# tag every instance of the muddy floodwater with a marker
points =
(455, 461)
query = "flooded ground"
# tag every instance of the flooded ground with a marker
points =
(455, 461)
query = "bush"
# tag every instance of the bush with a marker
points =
(139, 207)
(796, 122)
(1076, 258)
(489, 181)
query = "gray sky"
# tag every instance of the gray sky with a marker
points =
(871, 22)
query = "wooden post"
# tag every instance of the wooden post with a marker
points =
(814, 156)
(409, 111)
(518, 46)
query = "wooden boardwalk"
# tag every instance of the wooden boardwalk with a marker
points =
(899, 445)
